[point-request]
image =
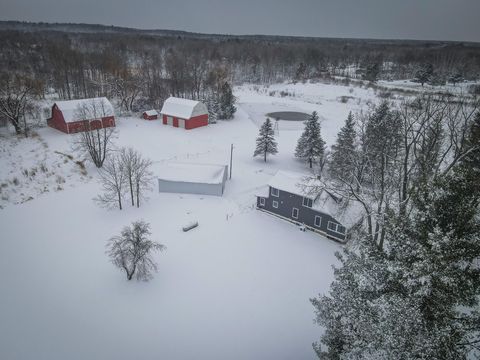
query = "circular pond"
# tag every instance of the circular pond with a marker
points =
(289, 115)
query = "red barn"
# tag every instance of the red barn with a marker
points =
(150, 115)
(73, 116)
(184, 113)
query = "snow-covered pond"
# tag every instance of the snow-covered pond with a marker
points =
(289, 115)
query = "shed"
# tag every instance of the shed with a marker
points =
(204, 179)
(150, 115)
(73, 116)
(184, 113)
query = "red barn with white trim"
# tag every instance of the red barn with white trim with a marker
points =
(150, 115)
(184, 113)
(73, 116)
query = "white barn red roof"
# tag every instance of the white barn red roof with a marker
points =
(183, 108)
(70, 108)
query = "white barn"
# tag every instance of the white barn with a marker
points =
(204, 179)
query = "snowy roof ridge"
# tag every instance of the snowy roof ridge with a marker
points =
(69, 108)
(180, 107)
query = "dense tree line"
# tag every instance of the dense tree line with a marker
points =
(408, 286)
(142, 69)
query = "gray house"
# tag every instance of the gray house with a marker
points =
(289, 196)
(203, 179)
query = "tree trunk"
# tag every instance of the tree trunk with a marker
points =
(119, 200)
(131, 190)
(16, 126)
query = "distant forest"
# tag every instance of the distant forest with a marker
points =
(143, 67)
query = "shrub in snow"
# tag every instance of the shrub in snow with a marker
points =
(132, 251)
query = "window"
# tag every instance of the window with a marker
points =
(275, 204)
(262, 201)
(274, 192)
(318, 221)
(307, 202)
(295, 213)
(336, 227)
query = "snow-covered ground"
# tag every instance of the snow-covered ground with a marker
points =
(236, 287)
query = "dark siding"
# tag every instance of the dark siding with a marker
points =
(288, 201)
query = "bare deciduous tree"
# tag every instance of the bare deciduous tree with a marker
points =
(113, 180)
(95, 140)
(16, 94)
(137, 173)
(132, 251)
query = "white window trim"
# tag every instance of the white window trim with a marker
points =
(262, 201)
(277, 194)
(307, 199)
(293, 210)
(315, 221)
(273, 204)
(336, 227)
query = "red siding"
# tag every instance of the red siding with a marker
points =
(192, 123)
(58, 122)
(196, 121)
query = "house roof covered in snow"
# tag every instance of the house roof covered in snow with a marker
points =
(85, 109)
(151, 112)
(194, 173)
(295, 183)
(183, 108)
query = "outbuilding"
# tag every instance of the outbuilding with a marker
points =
(73, 116)
(184, 113)
(204, 179)
(150, 115)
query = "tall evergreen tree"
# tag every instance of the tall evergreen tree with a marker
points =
(310, 146)
(342, 164)
(213, 107)
(266, 143)
(227, 102)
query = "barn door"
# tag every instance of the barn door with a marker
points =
(170, 120)
(181, 123)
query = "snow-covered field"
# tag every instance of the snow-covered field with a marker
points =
(236, 287)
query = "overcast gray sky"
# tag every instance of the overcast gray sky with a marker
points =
(396, 19)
